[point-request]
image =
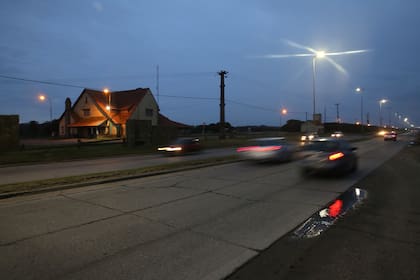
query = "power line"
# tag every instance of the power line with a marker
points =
(189, 97)
(252, 106)
(41, 82)
(161, 95)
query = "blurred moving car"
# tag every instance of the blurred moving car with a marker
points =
(337, 134)
(381, 132)
(268, 149)
(182, 146)
(390, 136)
(328, 155)
(308, 136)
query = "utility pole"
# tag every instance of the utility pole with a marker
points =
(157, 83)
(222, 104)
(338, 112)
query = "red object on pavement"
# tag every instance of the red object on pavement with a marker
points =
(335, 208)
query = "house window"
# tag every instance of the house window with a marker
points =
(149, 112)
(86, 112)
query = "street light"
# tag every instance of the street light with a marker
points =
(283, 112)
(108, 108)
(318, 54)
(382, 101)
(106, 91)
(360, 90)
(315, 54)
(43, 98)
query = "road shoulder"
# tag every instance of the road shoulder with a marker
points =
(379, 240)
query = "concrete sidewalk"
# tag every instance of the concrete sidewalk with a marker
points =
(379, 240)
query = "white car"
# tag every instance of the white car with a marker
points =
(337, 134)
(267, 149)
(309, 137)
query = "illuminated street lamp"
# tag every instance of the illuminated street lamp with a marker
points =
(43, 98)
(315, 54)
(319, 55)
(108, 108)
(360, 90)
(283, 112)
(106, 91)
(382, 101)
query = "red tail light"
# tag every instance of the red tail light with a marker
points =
(246, 149)
(336, 156)
(259, 148)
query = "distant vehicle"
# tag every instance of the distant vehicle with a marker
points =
(182, 146)
(390, 136)
(337, 134)
(267, 149)
(308, 136)
(381, 132)
(328, 155)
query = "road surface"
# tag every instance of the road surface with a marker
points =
(198, 224)
(25, 173)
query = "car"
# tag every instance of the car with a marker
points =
(308, 136)
(182, 146)
(337, 134)
(328, 156)
(390, 136)
(267, 149)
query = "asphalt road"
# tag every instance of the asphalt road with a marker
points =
(198, 224)
(378, 240)
(25, 173)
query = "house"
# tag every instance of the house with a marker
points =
(108, 113)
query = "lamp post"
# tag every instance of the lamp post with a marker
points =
(360, 91)
(382, 101)
(318, 54)
(283, 112)
(108, 108)
(43, 98)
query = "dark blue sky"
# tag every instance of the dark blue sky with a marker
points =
(118, 44)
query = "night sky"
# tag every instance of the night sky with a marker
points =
(59, 47)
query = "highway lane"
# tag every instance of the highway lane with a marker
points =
(25, 173)
(17, 174)
(198, 224)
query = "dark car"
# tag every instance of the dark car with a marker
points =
(267, 149)
(328, 155)
(182, 146)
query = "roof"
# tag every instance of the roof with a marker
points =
(165, 121)
(90, 122)
(123, 103)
